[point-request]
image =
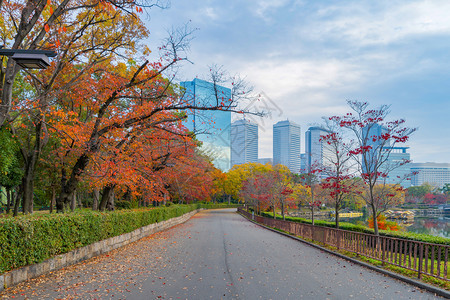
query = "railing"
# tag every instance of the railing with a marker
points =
(423, 258)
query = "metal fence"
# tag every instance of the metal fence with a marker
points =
(423, 258)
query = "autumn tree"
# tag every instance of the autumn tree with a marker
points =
(256, 191)
(238, 174)
(336, 167)
(41, 24)
(311, 180)
(301, 193)
(281, 178)
(85, 33)
(374, 139)
(416, 194)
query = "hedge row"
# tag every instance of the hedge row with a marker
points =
(360, 228)
(218, 205)
(34, 238)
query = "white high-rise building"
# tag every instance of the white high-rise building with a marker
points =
(244, 142)
(286, 145)
(317, 154)
(436, 174)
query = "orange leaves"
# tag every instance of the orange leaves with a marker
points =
(139, 9)
(46, 28)
(62, 29)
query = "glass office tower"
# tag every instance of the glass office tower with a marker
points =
(244, 142)
(212, 127)
(317, 152)
(286, 145)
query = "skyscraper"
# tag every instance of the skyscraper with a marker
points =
(244, 142)
(317, 154)
(286, 145)
(212, 128)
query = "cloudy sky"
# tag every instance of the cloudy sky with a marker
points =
(309, 57)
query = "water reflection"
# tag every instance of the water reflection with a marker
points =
(432, 226)
(436, 226)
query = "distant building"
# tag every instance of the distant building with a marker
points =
(286, 145)
(436, 174)
(316, 151)
(372, 138)
(303, 168)
(212, 128)
(395, 164)
(401, 171)
(264, 161)
(244, 142)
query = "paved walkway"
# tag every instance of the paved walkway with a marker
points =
(216, 255)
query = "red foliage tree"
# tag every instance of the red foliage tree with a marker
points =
(373, 147)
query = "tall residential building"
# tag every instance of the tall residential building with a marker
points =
(212, 128)
(436, 174)
(244, 142)
(286, 145)
(317, 154)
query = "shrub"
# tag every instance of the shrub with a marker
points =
(34, 238)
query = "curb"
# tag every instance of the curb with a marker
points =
(419, 284)
(22, 274)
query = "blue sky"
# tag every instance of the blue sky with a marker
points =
(309, 57)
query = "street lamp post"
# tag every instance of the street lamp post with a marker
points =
(29, 59)
(26, 59)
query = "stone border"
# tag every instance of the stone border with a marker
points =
(17, 276)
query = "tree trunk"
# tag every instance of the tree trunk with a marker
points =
(312, 215)
(53, 200)
(374, 215)
(229, 199)
(96, 199)
(273, 209)
(17, 201)
(8, 200)
(110, 204)
(7, 88)
(79, 197)
(73, 201)
(282, 210)
(336, 208)
(28, 188)
(69, 185)
(107, 194)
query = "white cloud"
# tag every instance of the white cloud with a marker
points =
(364, 25)
(264, 7)
(210, 12)
(281, 77)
